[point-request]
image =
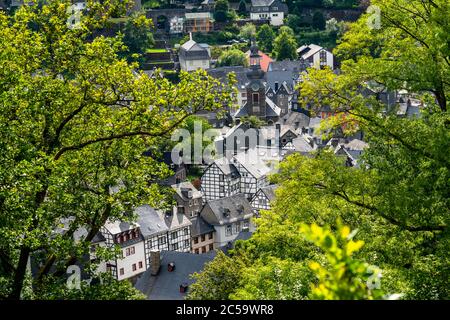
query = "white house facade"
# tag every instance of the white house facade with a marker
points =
(272, 10)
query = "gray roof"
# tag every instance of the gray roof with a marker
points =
(289, 65)
(200, 226)
(185, 186)
(226, 166)
(166, 285)
(252, 161)
(150, 221)
(272, 110)
(269, 191)
(192, 50)
(227, 210)
(295, 120)
(275, 5)
(221, 74)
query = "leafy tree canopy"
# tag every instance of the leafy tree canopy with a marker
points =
(75, 120)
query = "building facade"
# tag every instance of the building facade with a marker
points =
(273, 11)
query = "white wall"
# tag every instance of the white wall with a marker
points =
(330, 60)
(276, 18)
(127, 262)
(192, 65)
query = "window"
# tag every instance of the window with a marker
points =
(161, 240)
(255, 98)
(237, 227)
(203, 237)
(204, 249)
(121, 271)
(186, 231)
(133, 267)
(140, 265)
(211, 247)
(195, 240)
(210, 235)
(129, 251)
(175, 246)
(246, 224)
(174, 235)
(221, 177)
(221, 189)
(187, 244)
(197, 251)
(228, 230)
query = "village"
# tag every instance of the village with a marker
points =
(215, 207)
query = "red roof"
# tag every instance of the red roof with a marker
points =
(265, 60)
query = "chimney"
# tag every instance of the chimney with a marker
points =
(277, 135)
(155, 262)
(190, 35)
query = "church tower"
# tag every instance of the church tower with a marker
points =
(256, 96)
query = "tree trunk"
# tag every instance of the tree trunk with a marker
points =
(19, 276)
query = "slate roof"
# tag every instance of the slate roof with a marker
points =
(150, 221)
(221, 74)
(192, 50)
(226, 166)
(295, 120)
(237, 208)
(253, 163)
(269, 191)
(307, 51)
(166, 285)
(186, 186)
(200, 226)
(272, 110)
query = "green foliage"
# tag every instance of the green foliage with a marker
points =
(218, 279)
(222, 11)
(103, 287)
(285, 45)
(75, 120)
(265, 38)
(253, 121)
(344, 278)
(232, 57)
(137, 36)
(248, 31)
(318, 20)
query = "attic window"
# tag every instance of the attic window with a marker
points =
(226, 212)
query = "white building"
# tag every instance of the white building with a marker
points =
(194, 56)
(317, 56)
(229, 216)
(272, 10)
(154, 230)
(176, 25)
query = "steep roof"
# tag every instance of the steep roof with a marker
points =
(200, 226)
(181, 187)
(227, 210)
(269, 191)
(253, 163)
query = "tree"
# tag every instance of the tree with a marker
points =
(218, 279)
(265, 38)
(232, 57)
(285, 45)
(294, 22)
(318, 20)
(75, 120)
(248, 31)
(136, 34)
(221, 11)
